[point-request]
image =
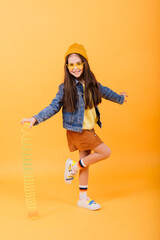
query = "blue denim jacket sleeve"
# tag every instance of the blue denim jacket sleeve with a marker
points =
(108, 94)
(52, 109)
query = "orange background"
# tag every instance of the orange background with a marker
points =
(122, 42)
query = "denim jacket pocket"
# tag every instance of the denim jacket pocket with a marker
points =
(68, 117)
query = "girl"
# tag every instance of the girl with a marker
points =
(79, 96)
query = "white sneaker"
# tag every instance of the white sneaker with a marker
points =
(89, 204)
(69, 174)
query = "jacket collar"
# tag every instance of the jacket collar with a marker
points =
(77, 82)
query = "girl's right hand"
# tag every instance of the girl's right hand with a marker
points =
(32, 120)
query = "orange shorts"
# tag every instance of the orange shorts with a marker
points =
(86, 140)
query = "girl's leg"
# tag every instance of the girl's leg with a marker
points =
(84, 201)
(83, 173)
(83, 177)
(100, 152)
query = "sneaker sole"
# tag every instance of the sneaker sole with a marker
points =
(79, 204)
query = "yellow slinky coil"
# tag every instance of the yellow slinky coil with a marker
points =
(29, 182)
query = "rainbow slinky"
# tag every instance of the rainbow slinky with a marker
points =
(29, 182)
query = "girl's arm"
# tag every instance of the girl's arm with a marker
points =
(108, 94)
(52, 109)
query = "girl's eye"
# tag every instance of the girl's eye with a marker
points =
(79, 63)
(71, 64)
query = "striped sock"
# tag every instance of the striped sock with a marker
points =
(81, 163)
(83, 191)
(78, 165)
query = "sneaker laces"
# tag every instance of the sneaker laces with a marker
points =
(73, 171)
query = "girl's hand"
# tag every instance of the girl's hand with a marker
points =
(125, 95)
(31, 120)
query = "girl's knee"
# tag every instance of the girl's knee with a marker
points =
(103, 150)
(107, 152)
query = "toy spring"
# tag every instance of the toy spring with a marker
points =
(29, 183)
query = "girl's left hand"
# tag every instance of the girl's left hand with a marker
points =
(125, 95)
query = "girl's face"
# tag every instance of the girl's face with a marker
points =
(75, 65)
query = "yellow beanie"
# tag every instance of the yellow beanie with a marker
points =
(77, 48)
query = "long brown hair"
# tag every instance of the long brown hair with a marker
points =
(70, 97)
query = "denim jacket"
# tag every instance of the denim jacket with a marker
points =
(74, 121)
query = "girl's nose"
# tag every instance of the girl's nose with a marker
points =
(75, 67)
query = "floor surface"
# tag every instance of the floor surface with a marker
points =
(129, 200)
